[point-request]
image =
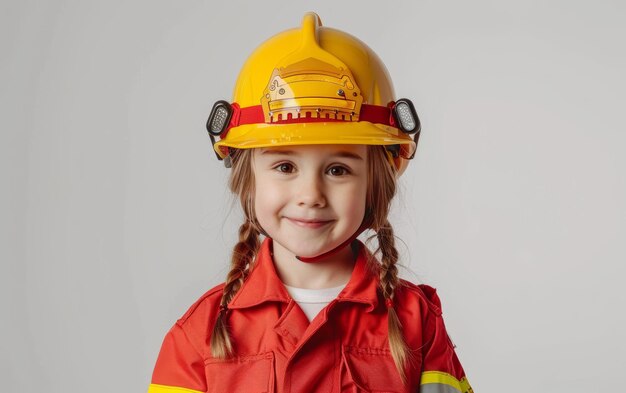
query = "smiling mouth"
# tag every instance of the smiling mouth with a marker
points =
(308, 223)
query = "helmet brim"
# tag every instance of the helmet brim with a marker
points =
(252, 136)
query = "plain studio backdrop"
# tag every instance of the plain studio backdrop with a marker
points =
(115, 216)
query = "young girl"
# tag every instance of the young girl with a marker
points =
(315, 144)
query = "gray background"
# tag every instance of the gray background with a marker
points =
(115, 217)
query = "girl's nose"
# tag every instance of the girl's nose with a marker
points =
(310, 192)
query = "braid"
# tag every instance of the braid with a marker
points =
(389, 281)
(381, 190)
(243, 256)
(388, 271)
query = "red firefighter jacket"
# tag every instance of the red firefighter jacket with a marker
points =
(343, 349)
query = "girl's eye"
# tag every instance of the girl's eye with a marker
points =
(338, 171)
(285, 167)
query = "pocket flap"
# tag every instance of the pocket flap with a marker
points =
(372, 370)
(241, 374)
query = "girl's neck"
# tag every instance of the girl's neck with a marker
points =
(326, 273)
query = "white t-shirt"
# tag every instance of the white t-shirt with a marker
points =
(312, 301)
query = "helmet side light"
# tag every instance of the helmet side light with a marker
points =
(219, 119)
(218, 123)
(406, 116)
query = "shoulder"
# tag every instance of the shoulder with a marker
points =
(419, 310)
(426, 296)
(207, 304)
(191, 333)
(202, 314)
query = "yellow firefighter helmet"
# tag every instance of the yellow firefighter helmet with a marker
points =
(315, 85)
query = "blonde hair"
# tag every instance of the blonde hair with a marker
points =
(381, 189)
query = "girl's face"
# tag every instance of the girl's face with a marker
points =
(310, 199)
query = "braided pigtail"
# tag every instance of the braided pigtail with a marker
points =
(243, 255)
(389, 281)
(381, 190)
(241, 183)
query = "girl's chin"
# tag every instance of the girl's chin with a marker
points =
(307, 252)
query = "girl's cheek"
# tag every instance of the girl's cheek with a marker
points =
(268, 197)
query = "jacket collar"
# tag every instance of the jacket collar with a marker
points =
(263, 284)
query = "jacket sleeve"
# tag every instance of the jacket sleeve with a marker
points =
(179, 367)
(441, 370)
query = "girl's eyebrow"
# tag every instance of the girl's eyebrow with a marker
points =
(340, 154)
(347, 154)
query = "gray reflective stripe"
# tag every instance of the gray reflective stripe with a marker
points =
(438, 388)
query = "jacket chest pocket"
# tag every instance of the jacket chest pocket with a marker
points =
(369, 370)
(254, 374)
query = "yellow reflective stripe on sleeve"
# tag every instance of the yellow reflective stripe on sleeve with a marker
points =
(441, 378)
(465, 386)
(154, 388)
